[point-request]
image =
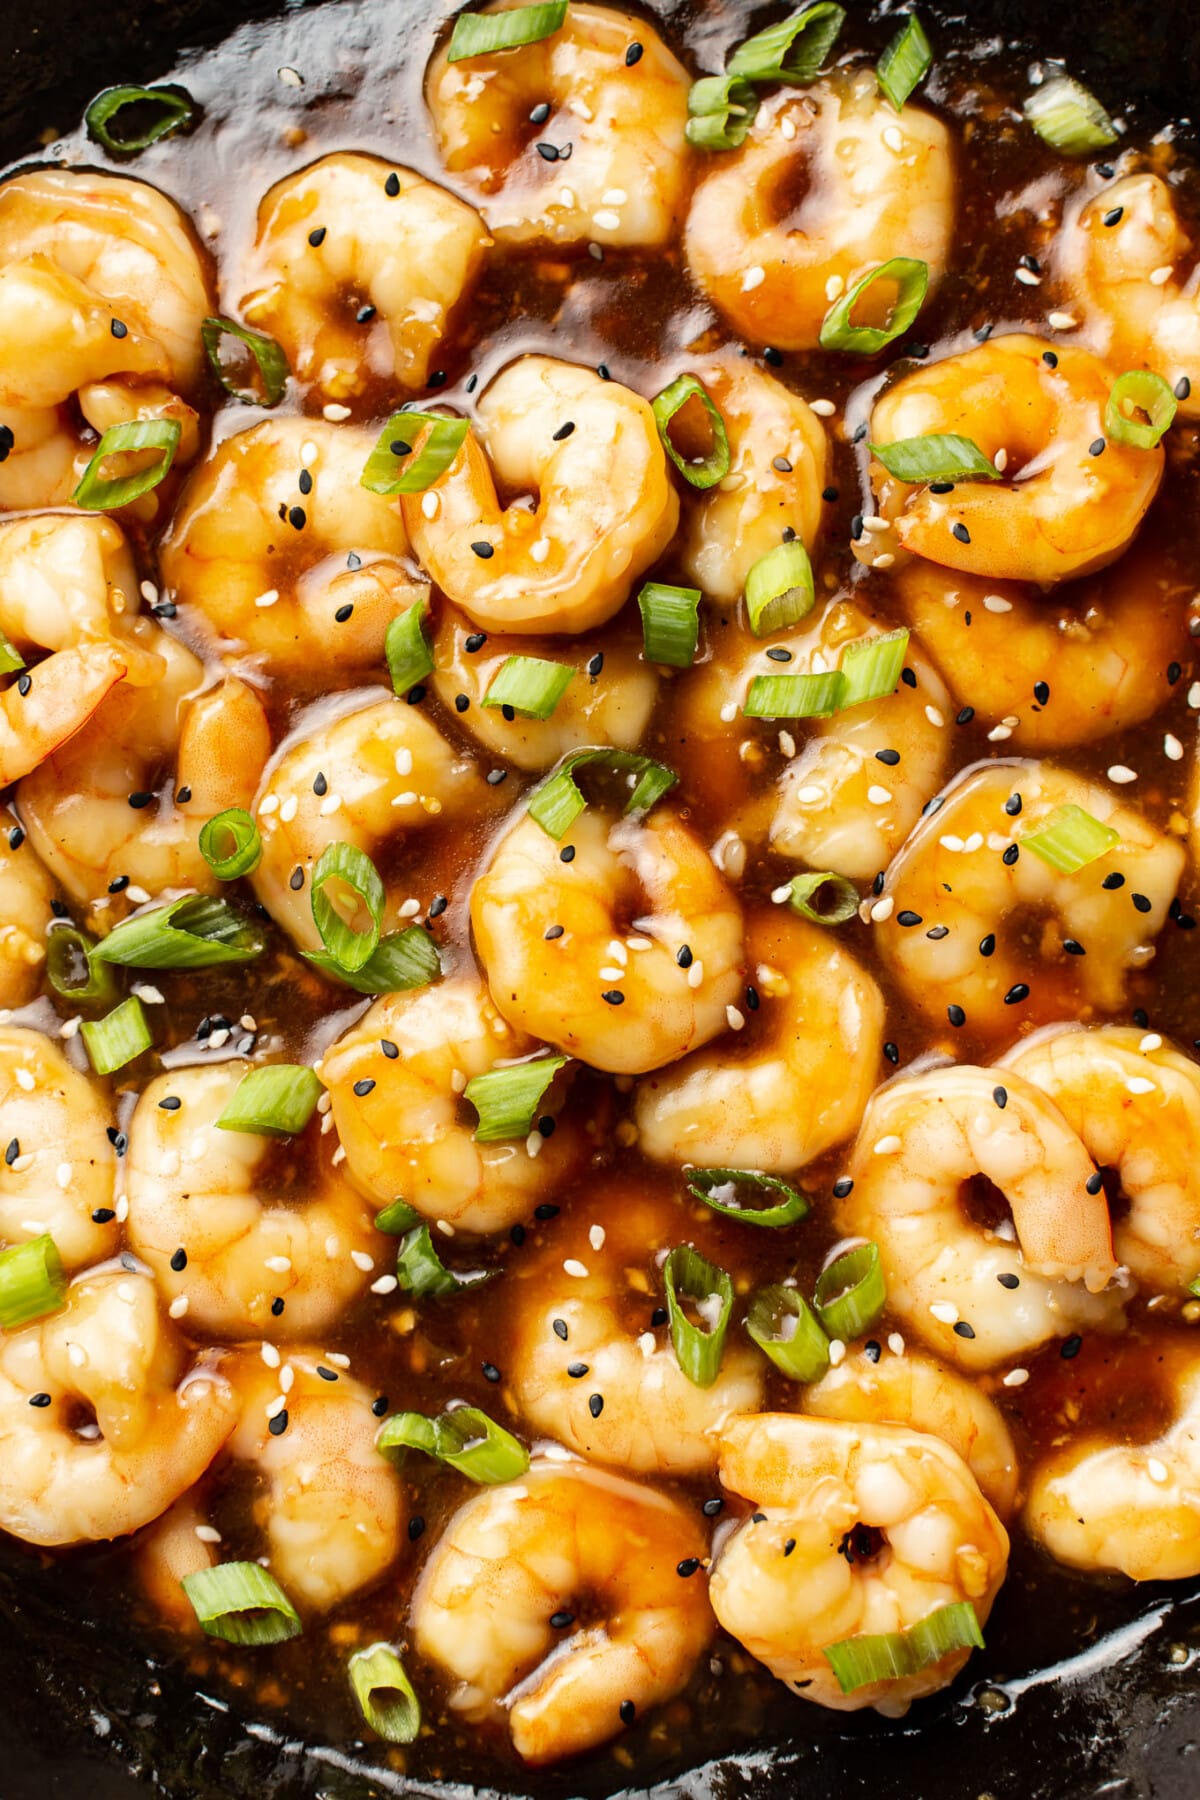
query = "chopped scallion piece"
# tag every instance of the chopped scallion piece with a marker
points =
(891, 1655)
(269, 358)
(230, 843)
(1068, 118)
(402, 959)
(275, 1101)
(721, 110)
(782, 1324)
(670, 624)
(118, 1038)
(1139, 393)
(698, 1348)
(557, 804)
(871, 666)
(32, 1282)
(530, 686)
(793, 50)
(795, 696)
(699, 471)
(779, 589)
(507, 1099)
(910, 279)
(73, 971)
(386, 1697)
(905, 63)
(241, 1603)
(480, 34)
(392, 468)
(409, 657)
(397, 1218)
(823, 897)
(1070, 839)
(723, 1191)
(191, 933)
(96, 493)
(420, 1270)
(939, 456)
(465, 1439)
(10, 657)
(1194, 1287)
(851, 1295)
(175, 110)
(344, 869)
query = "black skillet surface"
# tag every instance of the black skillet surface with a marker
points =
(86, 1713)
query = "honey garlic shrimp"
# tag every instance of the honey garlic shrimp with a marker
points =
(615, 103)
(59, 1164)
(977, 1295)
(515, 1557)
(884, 1525)
(794, 1079)
(977, 926)
(26, 892)
(828, 184)
(605, 507)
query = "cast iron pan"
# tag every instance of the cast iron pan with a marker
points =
(88, 1713)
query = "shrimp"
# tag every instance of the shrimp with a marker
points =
(858, 1529)
(828, 184)
(254, 1227)
(515, 1558)
(791, 1084)
(616, 107)
(976, 1295)
(627, 955)
(279, 552)
(589, 1332)
(358, 271)
(973, 922)
(1061, 510)
(399, 1116)
(160, 1415)
(26, 893)
(1134, 1101)
(59, 1164)
(605, 507)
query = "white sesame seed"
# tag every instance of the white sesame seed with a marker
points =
(267, 805)
(780, 894)
(63, 1175)
(539, 550)
(270, 1356)
(895, 1343)
(410, 908)
(25, 1080)
(138, 895)
(835, 287)
(824, 409)
(572, 1266)
(1016, 1378)
(387, 1284)
(811, 795)
(1137, 1084)
(169, 1163)
(330, 804)
(950, 842)
(276, 1406)
(278, 1265)
(335, 413)
(208, 1534)
(596, 1236)
(695, 975)
(885, 561)
(1062, 321)
(1156, 1470)
(787, 127)
(875, 522)
(76, 1356)
(1000, 461)
(787, 744)
(647, 1343)
(1172, 748)
(362, 1260)
(338, 1358)
(888, 1146)
(1193, 695)
(289, 809)
(534, 1142)
(999, 733)
(754, 277)
(1028, 278)
(882, 909)
(973, 843)
(996, 603)
(151, 996)
(287, 1377)
(614, 197)
(1150, 1042)
(291, 77)
(1160, 276)
(607, 220)
(729, 712)
(879, 796)
(935, 716)
(267, 599)
(837, 1352)
(122, 1208)
(1119, 773)
(734, 1019)
(945, 1312)
(70, 1027)
(178, 1307)
(567, 196)
(893, 137)
(430, 505)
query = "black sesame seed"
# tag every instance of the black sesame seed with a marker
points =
(1071, 1346)
(364, 315)
(627, 1711)
(888, 757)
(595, 1405)
(59, 909)
(1008, 1280)
(595, 664)
(39, 1400)
(964, 715)
(490, 1372)
(752, 1000)
(856, 527)
(552, 932)
(1011, 855)
(1017, 992)
(363, 1087)
(547, 1210)
(179, 1261)
(462, 703)
(684, 957)
(1041, 692)
(297, 518)
(279, 1424)
(1031, 263)
(1094, 1183)
(1073, 947)
(711, 1508)
(1114, 215)
(317, 237)
(320, 786)
(937, 932)
(437, 906)
(103, 1215)
(963, 1330)
(13, 1151)
(1050, 359)
(1183, 388)
(1000, 1096)
(547, 152)
(873, 1350)
(496, 776)
(1142, 902)
(777, 653)
(119, 329)
(16, 838)
(171, 1103)
(892, 1052)
(559, 1328)
(878, 884)
(688, 1566)
(567, 853)
(483, 550)
(344, 612)
(118, 885)
(782, 464)
(1096, 447)
(560, 1620)
(941, 487)
(517, 1235)
(959, 530)
(604, 372)
(1174, 671)
(956, 1015)
(909, 677)
(659, 1316)
(390, 1050)
(139, 800)
(633, 55)
(613, 996)
(305, 481)
(908, 918)
(564, 431)
(7, 440)
(774, 357)
(296, 879)
(842, 1186)
(509, 713)
(277, 1306)
(391, 186)
(1115, 880)
(1012, 805)
(577, 1370)
(416, 1528)
(540, 113)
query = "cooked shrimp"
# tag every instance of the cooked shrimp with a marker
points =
(350, 235)
(281, 554)
(620, 122)
(828, 184)
(254, 1228)
(1060, 510)
(160, 1416)
(26, 892)
(59, 1164)
(515, 1557)
(794, 1081)
(67, 689)
(858, 1529)
(981, 1296)
(400, 1117)
(589, 452)
(1016, 934)
(589, 954)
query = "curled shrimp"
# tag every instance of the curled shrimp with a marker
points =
(254, 1228)
(828, 184)
(59, 1164)
(516, 1556)
(627, 955)
(1061, 509)
(980, 1295)
(396, 1079)
(26, 892)
(794, 1080)
(350, 235)
(158, 1415)
(995, 934)
(605, 508)
(616, 103)
(858, 1529)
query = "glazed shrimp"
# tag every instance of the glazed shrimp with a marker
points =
(59, 1164)
(255, 1228)
(350, 235)
(828, 184)
(514, 1557)
(610, 987)
(1135, 1103)
(279, 552)
(886, 1525)
(26, 892)
(406, 1133)
(980, 1296)
(160, 1415)
(605, 506)
(616, 104)
(588, 1333)
(1020, 940)
(794, 1081)
(1060, 510)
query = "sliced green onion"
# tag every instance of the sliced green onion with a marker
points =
(557, 804)
(700, 472)
(1070, 839)
(348, 867)
(892, 1655)
(905, 63)
(793, 50)
(698, 1348)
(74, 973)
(401, 960)
(230, 843)
(96, 494)
(823, 897)
(529, 686)
(465, 1439)
(722, 1189)
(721, 110)
(32, 1282)
(409, 657)
(397, 1218)
(939, 456)
(838, 330)
(779, 589)
(850, 1294)
(871, 666)
(479, 34)
(795, 696)
(176, 110)
(407, 1431)
(1067, 117)
(1139, 391)
(275, 1101)
(782, 1324)
(191, 933)
(10, 657)
(389, 470)
(507, 1099)
(670, 623)
(386, 1697)
(1194, 1287)
(241, 1603)
(118, 1038)
(269, 357)
(420, 1270)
